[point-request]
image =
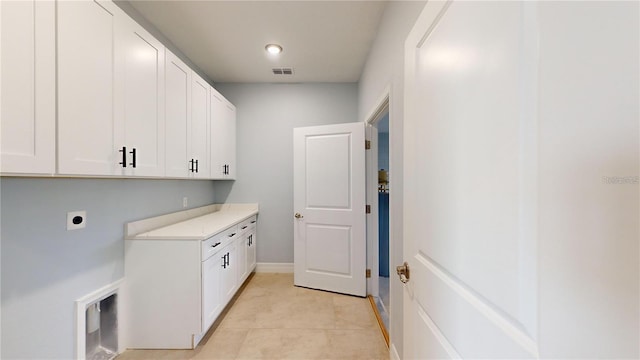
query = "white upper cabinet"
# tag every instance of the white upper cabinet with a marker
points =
(187, 121)
(27, 119)
(223, 137)
(88, 138)
(126, 106)
(110, 93)
(177, 111)
(140, 100)
(199, 127)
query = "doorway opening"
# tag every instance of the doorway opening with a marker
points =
(383, 218)
(378, 195)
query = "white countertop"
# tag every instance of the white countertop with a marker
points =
(178, 226)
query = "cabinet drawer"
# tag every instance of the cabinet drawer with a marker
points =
(247, 224)
(215, 243)
(211, 246)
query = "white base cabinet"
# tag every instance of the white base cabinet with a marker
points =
(177, 287)
(246, 248)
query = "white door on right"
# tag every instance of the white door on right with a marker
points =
(517, 115)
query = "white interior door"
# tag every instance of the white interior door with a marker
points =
(521, 240)
(329, 202)
(470, 185)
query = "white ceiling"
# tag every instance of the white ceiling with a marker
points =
(324, 41)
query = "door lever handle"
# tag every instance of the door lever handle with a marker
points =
(298, 216)
(403, 272)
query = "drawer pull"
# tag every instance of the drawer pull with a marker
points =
(244, 227)
(253, 221)
(216, 244)
(232, 235)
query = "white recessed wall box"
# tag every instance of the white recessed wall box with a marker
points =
(76, 220)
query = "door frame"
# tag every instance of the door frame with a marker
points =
(382, 106)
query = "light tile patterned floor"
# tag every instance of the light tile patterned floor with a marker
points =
(272, 319)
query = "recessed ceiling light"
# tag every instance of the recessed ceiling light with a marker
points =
(273, 49)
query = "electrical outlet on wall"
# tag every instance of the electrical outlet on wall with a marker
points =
(76, 220)
(185, 202)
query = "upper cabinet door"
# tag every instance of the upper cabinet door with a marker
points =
(140, 100)
(177, 111)
(27, 119)
(230, 140)
(218, 168)
(223, 137)
(88, 136)
(199, 127)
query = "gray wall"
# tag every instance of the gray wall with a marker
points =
(45, 268)
(267, 114)
(385, 69)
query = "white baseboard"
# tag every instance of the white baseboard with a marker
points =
(393, 352)
(274, 268)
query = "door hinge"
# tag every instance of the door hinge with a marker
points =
(368, 273)
(367, 144)
(367, 209)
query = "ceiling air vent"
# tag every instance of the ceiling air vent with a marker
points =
(282, 71)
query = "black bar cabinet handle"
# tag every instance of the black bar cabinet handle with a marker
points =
(134, 158)
(124, 156)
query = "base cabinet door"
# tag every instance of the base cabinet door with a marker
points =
(28, 109)
(241, 251)
(229, 278)
(212, 303)
(251, 250)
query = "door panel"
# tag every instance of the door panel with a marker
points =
(328, 171)
(329, 195)
(470, 209)
(143, 92)
(28, 120)
(329, 249)
(88, 141)
(211, 287)
(178, 94)
(199, 126)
